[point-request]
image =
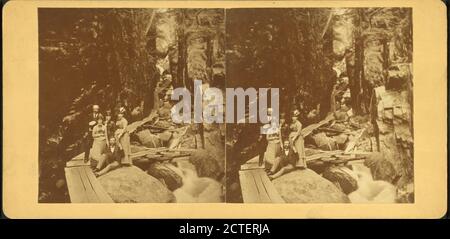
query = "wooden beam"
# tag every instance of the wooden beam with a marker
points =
(310, 128)
(351, 145)
(330, 16)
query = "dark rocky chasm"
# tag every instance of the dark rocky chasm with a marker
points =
(327, 61)
(109, 57)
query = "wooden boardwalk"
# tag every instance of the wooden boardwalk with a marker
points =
(82, 184)
(255, 185)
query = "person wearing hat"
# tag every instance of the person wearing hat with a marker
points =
(87, 141)
(296, 139)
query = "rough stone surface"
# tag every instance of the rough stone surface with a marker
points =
(324, 142)
(306, 186)
(341, 140)
(381, 168)
(162, 172)
(132, 185)
(148, 139)
(342, 178)
(206, 165)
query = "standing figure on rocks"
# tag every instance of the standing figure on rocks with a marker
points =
(273, 146)
(296, 139)
(284, 128)
(99, 135)
(123, 137)
(110, 124)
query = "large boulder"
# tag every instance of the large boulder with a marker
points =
(381, 168)
(324, 142)
(148, 139)
(341, 140)
(206, 165)
(163, 172)
(341, 177)
(131, 184)
(306, 186)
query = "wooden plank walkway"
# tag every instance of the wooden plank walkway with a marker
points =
(82, 184)
(255, 184)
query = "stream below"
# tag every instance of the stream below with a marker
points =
(195, 188)
(369, 190)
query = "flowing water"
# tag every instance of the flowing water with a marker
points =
(195, 188)
(369, 190)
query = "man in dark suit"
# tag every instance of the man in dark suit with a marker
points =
(87, 141)
(95, 114)
(284, 162)
(111, 158)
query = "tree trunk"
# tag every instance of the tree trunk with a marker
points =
(181, 66)
(355, 66)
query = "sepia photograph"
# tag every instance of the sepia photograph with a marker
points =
(340, 111)
(345, 112)
(106, 83)
(224, 109)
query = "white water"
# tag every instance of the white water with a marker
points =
(369, 190)
(195, 189)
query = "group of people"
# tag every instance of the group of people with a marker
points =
(107, 140)
(285, 149)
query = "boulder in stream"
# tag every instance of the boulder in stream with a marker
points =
(324, 142)
(148, 139)
(381, 168)
(162, 172)
(206, 165)
(132, 185)
(306, 186)
(342, 178)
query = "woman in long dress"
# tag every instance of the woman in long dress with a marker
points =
(99, 136)
(296, 139)
(273, 147)
(123, 137)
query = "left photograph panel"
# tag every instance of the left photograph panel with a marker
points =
(108, 83)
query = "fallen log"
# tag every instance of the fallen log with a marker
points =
(351, 145)
(157, 153)
(334, 159)
(324, 154)
(345, 160)
(177, 141)
(181, 150)
(162, 128)
(333, 130)
(132, 127)
(310, 128)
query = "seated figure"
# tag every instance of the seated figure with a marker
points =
(110, 159)
(284, 161)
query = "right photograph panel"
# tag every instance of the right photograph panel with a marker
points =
(338, 125)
